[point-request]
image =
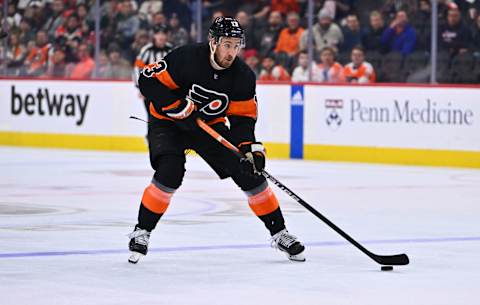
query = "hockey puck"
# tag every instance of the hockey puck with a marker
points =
(387, 268)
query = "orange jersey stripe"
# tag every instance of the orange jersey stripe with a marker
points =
(155, 199)
(165, 78)
(139, 63)
(157, 115)
(264, 202)
(246, 108)
(172, 105)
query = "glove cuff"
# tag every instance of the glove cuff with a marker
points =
(252, 147)
(180, 109)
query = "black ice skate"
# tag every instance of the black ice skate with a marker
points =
(138, 244)
(289, 244)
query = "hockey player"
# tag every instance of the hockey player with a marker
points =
(210, 82)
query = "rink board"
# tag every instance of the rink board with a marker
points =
(379, 124)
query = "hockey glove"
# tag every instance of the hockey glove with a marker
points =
(183, 112)
(254, 161)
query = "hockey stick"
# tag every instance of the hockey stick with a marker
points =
(399, 259)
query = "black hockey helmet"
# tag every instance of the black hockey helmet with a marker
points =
(226, 27)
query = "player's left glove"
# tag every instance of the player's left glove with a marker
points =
(254, 161)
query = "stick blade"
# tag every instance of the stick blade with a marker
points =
(392, 260)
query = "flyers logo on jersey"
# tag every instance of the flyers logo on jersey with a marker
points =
(208, 102)
(152, 70)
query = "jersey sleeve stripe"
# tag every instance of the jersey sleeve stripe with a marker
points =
(165, 78)
(157, 115)
(172, 105)
(139, 63)
(246, 108)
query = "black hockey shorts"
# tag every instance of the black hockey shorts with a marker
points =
(168, 145)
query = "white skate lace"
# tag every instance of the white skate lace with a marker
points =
(284, 238)
(141, 236)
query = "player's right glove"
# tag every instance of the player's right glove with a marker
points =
(183, 112)
(254, 161)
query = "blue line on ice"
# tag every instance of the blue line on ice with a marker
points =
(246, 246)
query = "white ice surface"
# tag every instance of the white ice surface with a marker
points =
(64, 217)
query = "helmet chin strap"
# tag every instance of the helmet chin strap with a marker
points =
(213, 48)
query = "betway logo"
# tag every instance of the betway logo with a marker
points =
(428, 112)
(51, 104)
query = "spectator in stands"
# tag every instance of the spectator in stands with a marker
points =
(57, 18)
(269, 36)
(69, 36)
(251, 59)
(159, 20)
(339, 9)
(473, 11)
(57, 66)
(86, 25)
(70, 30)
(400, 35)
(289, 38)
(285, 6)
(326, 33)
(181, 8)
(178, 36)
(118, 67)
(248, 25)
(352, 35)
(359, 71)
(149, 8)
(128, 24)
(301, 73)
(372, 35)
(34, 13)
(85, 66)
(103, 65)
(15, 55)
(141, 39)
(271, 71)
(330, 71)
(108, 22)
(455, 37)
(37, 59)
(26, 34)
(83, 17)
(13, 16)
(392, 7)
(422, 23)
(476, 36)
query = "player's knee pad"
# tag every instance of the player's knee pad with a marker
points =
(262, 200)
(170, 170)
(156, 197)
(246, 181)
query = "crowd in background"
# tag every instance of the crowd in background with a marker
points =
(354, 40)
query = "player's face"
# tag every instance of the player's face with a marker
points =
(226, 51)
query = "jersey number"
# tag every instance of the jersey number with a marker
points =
(208, 102)
(154, 69)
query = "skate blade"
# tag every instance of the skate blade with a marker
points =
(296, 258)
(135, 257)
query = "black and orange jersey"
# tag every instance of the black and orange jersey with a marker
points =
(186, 72)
